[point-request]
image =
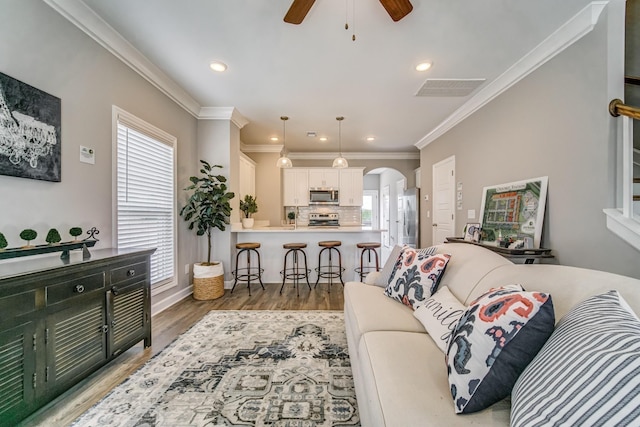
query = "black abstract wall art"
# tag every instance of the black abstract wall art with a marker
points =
(30, 145)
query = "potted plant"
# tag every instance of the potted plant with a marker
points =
(292, 217)
(248, 206)
(53, 237)
(28, 235)
(208, 208)
(3, 242)
(75, 232)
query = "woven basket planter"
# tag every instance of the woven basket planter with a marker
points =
(208, 281)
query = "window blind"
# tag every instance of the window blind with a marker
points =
(145, 198)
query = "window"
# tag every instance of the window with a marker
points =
(370, 208)
(145, 215)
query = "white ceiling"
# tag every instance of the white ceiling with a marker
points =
(314, 72)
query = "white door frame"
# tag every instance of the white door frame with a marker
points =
(375, 207)
(385, 215)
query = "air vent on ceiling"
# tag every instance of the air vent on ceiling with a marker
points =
(449, 87)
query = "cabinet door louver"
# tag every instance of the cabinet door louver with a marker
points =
(128, 317)
(16, 373)
(79, 341)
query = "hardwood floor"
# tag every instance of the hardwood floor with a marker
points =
(166, 326)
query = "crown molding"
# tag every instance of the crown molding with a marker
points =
(570, 32)
(83, 17)
(263, 148)
(223, 113)
(356, 155)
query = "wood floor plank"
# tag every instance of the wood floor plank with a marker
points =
(167, 326)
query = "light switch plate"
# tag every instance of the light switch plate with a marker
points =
(471, 214)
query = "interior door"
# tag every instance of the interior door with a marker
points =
(443, 200)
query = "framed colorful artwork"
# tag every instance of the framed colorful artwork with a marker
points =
(514, 212)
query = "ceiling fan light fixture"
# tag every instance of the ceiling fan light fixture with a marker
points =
(424, 66)
(218, 66)
(340, 162)
(284, 162)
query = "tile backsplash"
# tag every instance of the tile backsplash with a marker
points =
(349, 215)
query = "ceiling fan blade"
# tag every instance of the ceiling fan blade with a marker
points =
(297, 11)
(397, 9)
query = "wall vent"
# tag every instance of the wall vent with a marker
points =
(449, 87)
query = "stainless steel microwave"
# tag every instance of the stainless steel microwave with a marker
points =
(323, 196)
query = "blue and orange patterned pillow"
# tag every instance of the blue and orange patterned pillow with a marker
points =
(415, 276)
(496, 338)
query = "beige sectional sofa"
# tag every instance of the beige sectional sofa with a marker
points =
(399, 373)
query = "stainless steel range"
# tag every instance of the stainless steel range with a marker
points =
(318, 219)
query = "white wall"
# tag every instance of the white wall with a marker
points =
(41, 48)
(553, 123)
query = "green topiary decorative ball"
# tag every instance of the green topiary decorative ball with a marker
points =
(75, 231)
(28, 234)
(53, 236)
(3, 241)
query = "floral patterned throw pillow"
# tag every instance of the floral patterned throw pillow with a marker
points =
(415, 276)
(494, 340)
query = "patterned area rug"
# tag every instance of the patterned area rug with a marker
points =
(241, 368)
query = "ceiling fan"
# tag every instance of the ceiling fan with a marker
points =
(397, 9)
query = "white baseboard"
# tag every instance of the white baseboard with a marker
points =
(163, 304)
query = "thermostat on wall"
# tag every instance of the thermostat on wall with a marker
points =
(87, 155)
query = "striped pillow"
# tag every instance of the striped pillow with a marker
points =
(587, 374)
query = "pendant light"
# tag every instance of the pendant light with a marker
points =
(340, 162)
(284, 161)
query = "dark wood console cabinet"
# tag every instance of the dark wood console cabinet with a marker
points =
(60, 320)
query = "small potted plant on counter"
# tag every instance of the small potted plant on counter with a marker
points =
(292, 217)
(248, 206)
(3, 242)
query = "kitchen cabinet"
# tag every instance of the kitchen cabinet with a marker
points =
(247, 172)
(324, 178)
(295, 187)
(64, 319)
(351, 186)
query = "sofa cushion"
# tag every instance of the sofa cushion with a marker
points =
(467, 266)
(405, 384)
(415, 276)
(439, 314)
(587, 372)
(495, 339)
(368, 309)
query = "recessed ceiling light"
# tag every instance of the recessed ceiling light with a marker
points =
(218, 66)
(423, 66)
(370, 138)
(323, 138)
(274, 138)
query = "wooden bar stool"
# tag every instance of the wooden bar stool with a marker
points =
(246, 274)
(368, 248)
(295, 272)
(330, 271)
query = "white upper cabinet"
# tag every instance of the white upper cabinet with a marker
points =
(325, 178)
(295, 187)
(351, 186)
(247, 176)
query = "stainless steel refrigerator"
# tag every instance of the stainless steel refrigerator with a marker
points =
(411, 217)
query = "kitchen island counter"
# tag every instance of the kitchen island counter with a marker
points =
(272, 238)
